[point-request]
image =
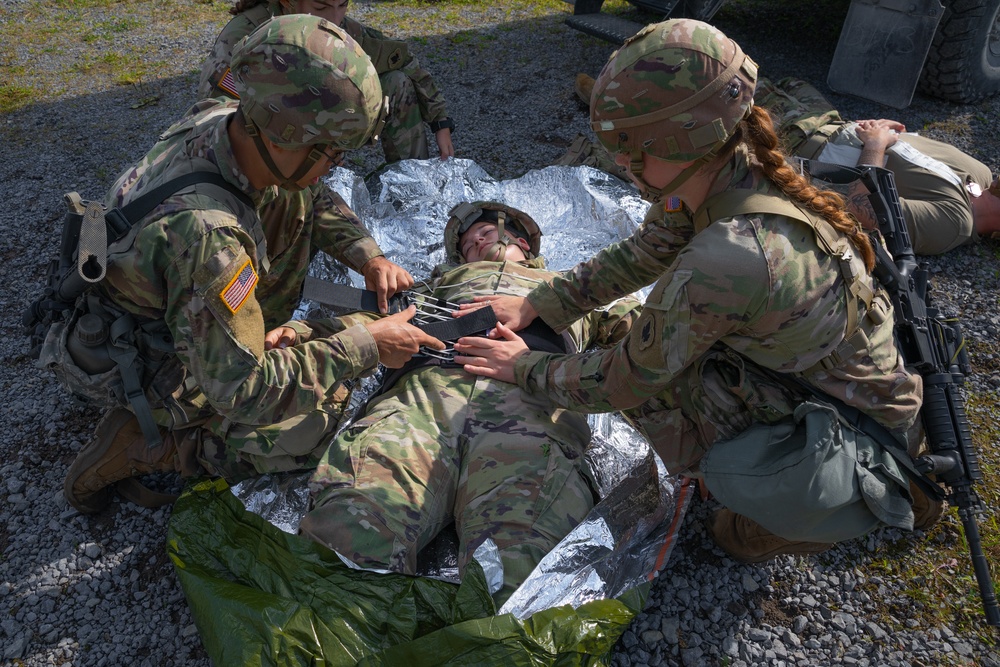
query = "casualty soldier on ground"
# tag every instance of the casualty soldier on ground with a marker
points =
(414, 98)
(948, 197)
(227, 403)
(763, 298)
(439, 445)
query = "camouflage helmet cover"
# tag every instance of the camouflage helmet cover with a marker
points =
(464, 215)
(303, 81)
(675, 90)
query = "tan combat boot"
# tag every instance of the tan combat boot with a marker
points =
(748, 542)
(584, 86)
(926, 512)
(117, 452)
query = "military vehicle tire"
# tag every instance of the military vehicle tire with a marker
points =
(963, 64)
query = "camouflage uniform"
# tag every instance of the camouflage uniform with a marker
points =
(193, 262)
(414, 98)
(937, 210)
(443, 446)
(296, 225)
(744, 300)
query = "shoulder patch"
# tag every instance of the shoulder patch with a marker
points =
(235, 294)
(227, 85)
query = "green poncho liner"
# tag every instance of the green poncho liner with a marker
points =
(260, 596)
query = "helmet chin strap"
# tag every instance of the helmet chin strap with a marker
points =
(504, 239)
(654, 195)
(284, 182)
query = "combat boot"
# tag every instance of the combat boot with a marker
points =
(117, 451)
(584, 86)
(748, 542)
(926, 511)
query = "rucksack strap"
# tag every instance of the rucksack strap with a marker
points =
(747, 202)
(120, 220)
(122, 331)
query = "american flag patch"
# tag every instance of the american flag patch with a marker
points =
(227, 85)
(672, 205)
(239, 288)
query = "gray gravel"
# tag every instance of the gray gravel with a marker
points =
(99, 590)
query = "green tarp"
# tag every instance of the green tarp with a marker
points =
(260, 596)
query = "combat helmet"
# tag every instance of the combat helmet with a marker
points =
(303, 81)
(510, 221)
(675, 90)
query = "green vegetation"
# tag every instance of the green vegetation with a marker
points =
(31, 31)
(13, 96)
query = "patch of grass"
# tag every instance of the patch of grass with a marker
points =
(936, 570)
(14, 96)
(32, 29)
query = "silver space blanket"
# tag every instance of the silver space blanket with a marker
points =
(628, 536)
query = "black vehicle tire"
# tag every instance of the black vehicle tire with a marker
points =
(963, 64)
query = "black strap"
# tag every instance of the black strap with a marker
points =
(540, 337)
(477, 322)
(866, 424)
(120, 220)
(347, 298)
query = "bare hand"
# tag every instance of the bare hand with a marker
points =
(514, 311)
(398, 340)
(494, 358)
(880, 133)
(280, 338)
(443, 138)
(385, 278)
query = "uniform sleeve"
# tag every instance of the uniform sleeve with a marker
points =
(430, 100)
(222, 53)
(616, 271)
(692, 306)
(339, 232)
(218, 332)
(606, 326)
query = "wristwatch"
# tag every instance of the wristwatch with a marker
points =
(436, 125)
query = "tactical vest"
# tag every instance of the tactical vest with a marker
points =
(866, 309)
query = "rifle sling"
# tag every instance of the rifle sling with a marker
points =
(864, 423)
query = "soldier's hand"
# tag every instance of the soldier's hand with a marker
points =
(492, 357)
(385, 278)
(280, 338)
(398, 340)
(443, 138)
(880, 133)
(514, 311)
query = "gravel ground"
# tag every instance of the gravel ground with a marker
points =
(99, 590)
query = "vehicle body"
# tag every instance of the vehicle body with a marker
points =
(887, 50)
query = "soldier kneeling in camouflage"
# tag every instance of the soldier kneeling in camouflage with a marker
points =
(765, 337)
(208, 395)
(439, 445)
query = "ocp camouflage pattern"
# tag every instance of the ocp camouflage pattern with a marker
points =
(297, 225)
(413, 96)
(670, 65)
(443, 445)
(181, 257)
(755, 286)
(304, 81)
